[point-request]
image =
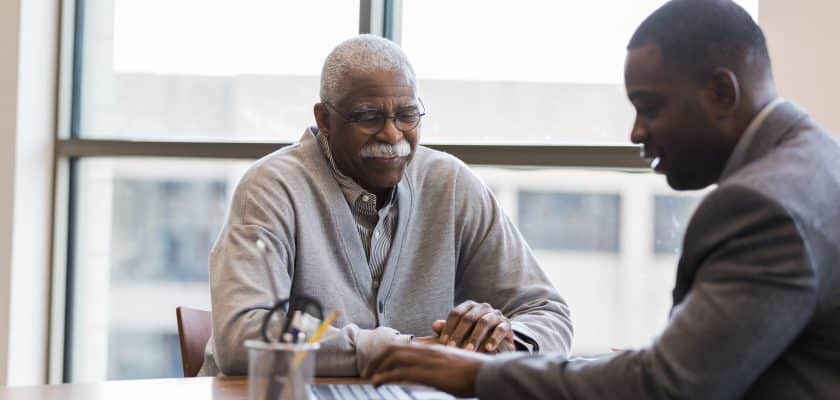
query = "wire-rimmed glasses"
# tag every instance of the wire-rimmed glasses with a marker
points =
(371, 122)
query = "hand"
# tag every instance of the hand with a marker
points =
(477, 326)
(426, 340)
(451, 370)
(437, 326)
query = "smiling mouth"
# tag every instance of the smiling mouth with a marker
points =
(653, 159)
(655, 162)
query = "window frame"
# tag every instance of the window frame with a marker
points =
(382, 17)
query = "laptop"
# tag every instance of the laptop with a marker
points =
(334, 391)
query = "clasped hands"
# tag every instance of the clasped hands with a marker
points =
(473, 327)
(470, 328)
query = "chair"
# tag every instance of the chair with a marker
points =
(194, 328)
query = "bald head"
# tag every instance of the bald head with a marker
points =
(363, 54)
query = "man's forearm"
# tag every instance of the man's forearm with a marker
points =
(548, 326)
(343, 352)
(347, 351)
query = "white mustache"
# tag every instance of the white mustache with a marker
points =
(386, 150)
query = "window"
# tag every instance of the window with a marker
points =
(533, 72)
(671, 217)
(591, 232)
(170, 101)
(163, 228)
(570, 221)
(206, 69)
(144, 232)
(135, 355)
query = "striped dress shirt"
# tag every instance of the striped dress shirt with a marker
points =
(376, 227)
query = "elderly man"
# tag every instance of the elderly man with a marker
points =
(389, 233)
(757, 298)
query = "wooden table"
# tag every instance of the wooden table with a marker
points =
(146, 389)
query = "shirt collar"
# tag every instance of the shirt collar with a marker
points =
(736, 159)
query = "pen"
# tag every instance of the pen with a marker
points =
(295, 327)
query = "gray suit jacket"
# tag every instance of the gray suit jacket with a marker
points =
(757, 298)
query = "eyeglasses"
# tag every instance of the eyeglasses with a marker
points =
(371, 122)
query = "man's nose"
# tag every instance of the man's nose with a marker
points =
(389, 132)
(639, 133)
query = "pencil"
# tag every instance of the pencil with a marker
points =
(316, 337)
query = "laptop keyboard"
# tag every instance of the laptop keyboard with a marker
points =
(360, 392)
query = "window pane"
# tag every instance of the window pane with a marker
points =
(145, 228)
(140, 355)
(221, 69)
(592, 234)
(163, 227)
(570, 221)
(144, 232)
(529, 72)
(670, 219)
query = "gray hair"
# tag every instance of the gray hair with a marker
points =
(363, 53)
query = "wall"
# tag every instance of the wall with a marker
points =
(802, 37)
(9, 19)
(28, 52)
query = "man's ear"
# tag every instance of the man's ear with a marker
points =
(322, 118)
(725, 92)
